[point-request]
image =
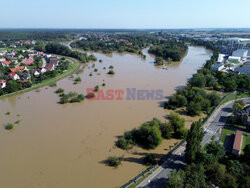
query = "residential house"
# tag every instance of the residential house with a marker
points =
(20, 56)
(53, 60)
(2, 84)
(5, 63)
(2, 53)
(237, 143)
(39, 71)
(28, 61)
(40, 54)
(14, 76)
(27, 42)
(36, 73)
(19, 69)
(49, 67)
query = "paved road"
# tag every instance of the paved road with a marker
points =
(176, 161)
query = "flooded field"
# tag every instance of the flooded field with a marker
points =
(64, 145)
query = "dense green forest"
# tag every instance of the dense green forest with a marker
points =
(169, 50)
(117, 43)
(56, 48)
(32, 34)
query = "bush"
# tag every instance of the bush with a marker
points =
(198, 80)
(214, 99)
(79, 98)
(17, 122)
(123, 143)
(95, 70)
(9, 126)
(92, 58)
(111, 67)
(158, 61)
(59, 90)
(230, 85)
(114, 161)
(150, 159)
(149, 136)
(71, 97)
(90, 95)
(96, 88)
(64, 99)
(194, 109)
(235, 168)
(53, 85)
(176, 101)
(166, 130)
(78, 79)
(111, 72)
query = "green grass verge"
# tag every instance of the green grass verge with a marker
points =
(72, 68)
(246, 141)
(142, 179)
(224, 134)
(138, 182)
(234, 96)
(9, 49)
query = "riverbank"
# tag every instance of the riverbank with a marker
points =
(72, 68)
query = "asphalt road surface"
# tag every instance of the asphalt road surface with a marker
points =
(176, 161)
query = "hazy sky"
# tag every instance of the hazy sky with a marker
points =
(124, 13)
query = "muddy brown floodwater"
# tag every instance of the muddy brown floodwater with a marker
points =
(64, 145)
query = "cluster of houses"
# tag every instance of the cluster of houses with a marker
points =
(23, 68)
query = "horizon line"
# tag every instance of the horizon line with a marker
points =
(4, 28)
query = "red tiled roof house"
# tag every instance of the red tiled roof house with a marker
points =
(5, 63)
(237, 143)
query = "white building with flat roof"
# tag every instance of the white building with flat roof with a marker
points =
(221, 58)
(234, 59)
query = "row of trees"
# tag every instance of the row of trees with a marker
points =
(13, 86)
(56, 48)
(151, 133)
(220, 81)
